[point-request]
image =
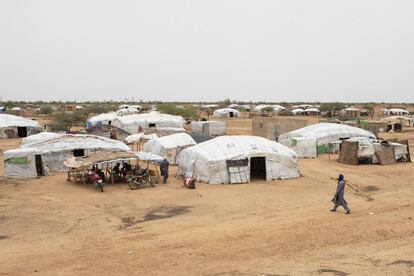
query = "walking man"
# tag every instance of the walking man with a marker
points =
(164, 170)
(338, 198)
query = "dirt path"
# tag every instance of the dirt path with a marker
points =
(52, 226)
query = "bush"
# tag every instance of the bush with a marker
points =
(46, 109)
(65, 121)
(187, 113)
(332, 106)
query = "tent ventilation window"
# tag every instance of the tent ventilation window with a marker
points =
(151, 124)
(78, 152)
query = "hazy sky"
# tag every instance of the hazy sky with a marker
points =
(207, 50)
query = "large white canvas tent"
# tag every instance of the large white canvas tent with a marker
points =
(169, 146)
(101, 119)
(12, 126)
(396, 111)
(137, 123)
(238, 159)
(35, 159)
(226, 113)
(213, 128)
(312, 140)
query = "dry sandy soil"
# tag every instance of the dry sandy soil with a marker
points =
(49, 226)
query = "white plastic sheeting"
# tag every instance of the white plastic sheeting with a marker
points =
(164, 131)
(214, 128)
(55, 151)
(40, 137)
(101, 119)
(305, 147)
(207, 161)
(20, 163)
(134, 123)
(169, 146)
(396, 111)
(367, 148)
(323, 133)
(297, 111)
(7, 120)
(140, 137)
(226, 112)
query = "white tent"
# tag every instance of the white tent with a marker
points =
(101, 119)
(127, 111)
(138, 122)
(396, 111)
(40, 137)
(12, 126)
(314, 139)
(278, 108)
(169, 146)
(213, 128)
(234, 106)
(140, 137)
(38, 158)
(311, 111)
(259, 108)
(237, 159)
(297, 111)
(368, 147)
(226, 112)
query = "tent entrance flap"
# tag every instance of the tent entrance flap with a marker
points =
(22, 132)
(238, 170)
(39, 165)
(231, 114)
(258, 168)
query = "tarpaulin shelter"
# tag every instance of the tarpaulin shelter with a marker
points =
(38, 158)
(314, 139)
(226, 113)
(238, 159)
(364, 150)
(137, 123)
(169, 146)
(12, 126)
(101, 120)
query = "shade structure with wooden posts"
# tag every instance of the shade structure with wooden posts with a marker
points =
(78, 167)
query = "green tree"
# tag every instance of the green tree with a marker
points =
(46, 109)
(65, 121)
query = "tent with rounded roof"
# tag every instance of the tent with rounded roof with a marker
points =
(101, 119)
(227, 113)
(312, 140)
(137, 123)
(41, 154)
(12, 126)
(238, 159)
(169, 146)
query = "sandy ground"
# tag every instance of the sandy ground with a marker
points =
(49, 226)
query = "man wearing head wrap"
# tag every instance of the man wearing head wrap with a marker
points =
(338, 198)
